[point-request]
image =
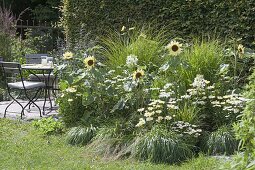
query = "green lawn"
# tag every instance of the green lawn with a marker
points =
(21, 147)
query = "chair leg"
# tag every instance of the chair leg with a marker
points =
(29, 107)
(45, 98)
(54, 95)
(49, 99)
(31, 101)
(7, 108)
(14, 100)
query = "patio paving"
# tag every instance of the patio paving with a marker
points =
(13, 112)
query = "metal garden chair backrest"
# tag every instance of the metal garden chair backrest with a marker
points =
(34, 58)
(11, 71)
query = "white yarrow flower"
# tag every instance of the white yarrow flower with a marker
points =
(168, 117)
(71, 90)
(131, 60)
(70, 100)
(140, 110)
(141, 122)
(149, 119)
(164, 67)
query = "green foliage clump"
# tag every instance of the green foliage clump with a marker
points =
(71, 112)
(49, 126)
(171, 93)
(80, 135)
(186, 18)
(7, 31)
(160, 145)
(188, 114)
(245, 130)
(204, 57)
(145, 42)
(221, 141)
(5, 46)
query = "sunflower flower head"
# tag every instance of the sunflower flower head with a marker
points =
(138, 74)
(68, 55)
(240, 49)
(174, 48)
(89, 62)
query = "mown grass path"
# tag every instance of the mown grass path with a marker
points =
(22, 147)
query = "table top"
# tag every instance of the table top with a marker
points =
(36, 67)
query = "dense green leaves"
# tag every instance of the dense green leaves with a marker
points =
(49, 126)
(185, 18)
(160, 145)
(80, 135)
(245, 129)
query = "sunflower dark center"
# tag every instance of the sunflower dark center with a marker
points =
(138, 75)
(175, 48)
(90, 62)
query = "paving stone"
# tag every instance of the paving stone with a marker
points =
(13, 112)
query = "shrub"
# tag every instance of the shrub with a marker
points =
(221, 141)
(187, 18)
(80, 135)
(245, 130)
(71, 110)
(49, 126)
(136, 95)
(162, 146)
(5, 46)
(7, 32)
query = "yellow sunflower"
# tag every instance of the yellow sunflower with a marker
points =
(240, 49)
(138, 74)
(174, 48)
(68, 55)
(89, 61)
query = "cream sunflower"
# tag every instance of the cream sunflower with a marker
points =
(68, 55)
(89, 61)
(240, 49)
(174, 48)
(138, 74)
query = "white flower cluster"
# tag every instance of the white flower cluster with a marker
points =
(131, 60)
(164, 67)
(155, 112)
(203, 93)
(199, 82)
(186, 128)
(231, 103)
(71, 90)
(200, 93)
(129, 85)
(141, 122)
(166, 92)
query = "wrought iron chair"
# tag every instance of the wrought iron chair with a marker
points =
(12, 69)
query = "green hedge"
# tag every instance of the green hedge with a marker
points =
(185, 17)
